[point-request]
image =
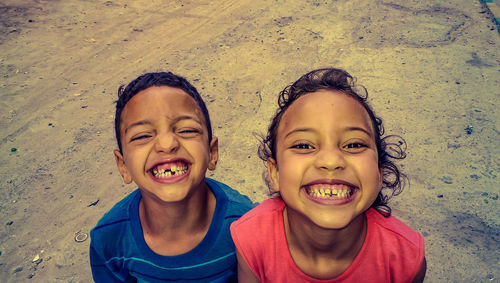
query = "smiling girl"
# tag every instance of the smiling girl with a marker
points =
(328, 163)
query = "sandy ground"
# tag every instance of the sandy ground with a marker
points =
(432, 69)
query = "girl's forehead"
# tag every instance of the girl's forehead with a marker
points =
(325, 106)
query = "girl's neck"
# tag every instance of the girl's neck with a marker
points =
(176, 228)
(323, 253)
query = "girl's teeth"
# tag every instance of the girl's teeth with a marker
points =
(327, 193)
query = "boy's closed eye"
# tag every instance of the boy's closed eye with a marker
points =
(188, 132)
(140, 137)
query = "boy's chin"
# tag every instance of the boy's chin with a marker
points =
(174, 192)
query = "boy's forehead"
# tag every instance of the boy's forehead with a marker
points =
(161, 101)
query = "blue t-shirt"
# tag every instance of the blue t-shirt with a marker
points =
(119, 253)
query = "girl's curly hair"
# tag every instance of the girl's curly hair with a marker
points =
(389, 148)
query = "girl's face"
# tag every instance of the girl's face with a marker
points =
(326, 166)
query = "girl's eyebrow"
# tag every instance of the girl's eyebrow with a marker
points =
(359, 129)
(346, 129)
(299, 130)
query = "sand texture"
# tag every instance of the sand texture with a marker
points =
(432, 70)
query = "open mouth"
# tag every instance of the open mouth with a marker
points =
(170, 169)
(330, 191)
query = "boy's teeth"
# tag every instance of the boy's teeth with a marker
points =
(173, 171)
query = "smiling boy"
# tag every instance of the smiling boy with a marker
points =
(175, 227)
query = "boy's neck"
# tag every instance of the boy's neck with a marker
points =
(172, 229)
(323, 253)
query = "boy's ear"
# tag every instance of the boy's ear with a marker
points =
(120, 163)
(272, 172)
(214, 154)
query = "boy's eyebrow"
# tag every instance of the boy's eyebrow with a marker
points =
(177, 119)
(135, 124)
(187, 117)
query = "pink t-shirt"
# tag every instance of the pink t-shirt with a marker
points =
(392, 252)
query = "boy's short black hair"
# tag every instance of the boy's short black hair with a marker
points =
(389, 148)
(156, 79)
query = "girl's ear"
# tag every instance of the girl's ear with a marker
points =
(381, 177)
(214, 154)
(272, 172)
(120, 163)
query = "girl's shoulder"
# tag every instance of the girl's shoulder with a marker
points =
(268, 209)
(393, 229)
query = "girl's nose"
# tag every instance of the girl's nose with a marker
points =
(330, 159)
(166, 143)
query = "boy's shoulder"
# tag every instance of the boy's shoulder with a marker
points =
(236, 202)
(120, 212)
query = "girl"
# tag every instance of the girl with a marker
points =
(328, 163)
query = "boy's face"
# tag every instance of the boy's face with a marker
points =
(327, 163)
(165, 147)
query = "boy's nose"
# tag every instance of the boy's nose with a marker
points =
(166, 143)
(330, 159)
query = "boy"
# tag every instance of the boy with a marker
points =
(175, 227)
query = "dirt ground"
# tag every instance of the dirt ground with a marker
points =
(432, 69)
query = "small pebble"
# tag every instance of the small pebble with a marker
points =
(447, 180)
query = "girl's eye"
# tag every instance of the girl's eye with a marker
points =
(355, 145)
(302, 146)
